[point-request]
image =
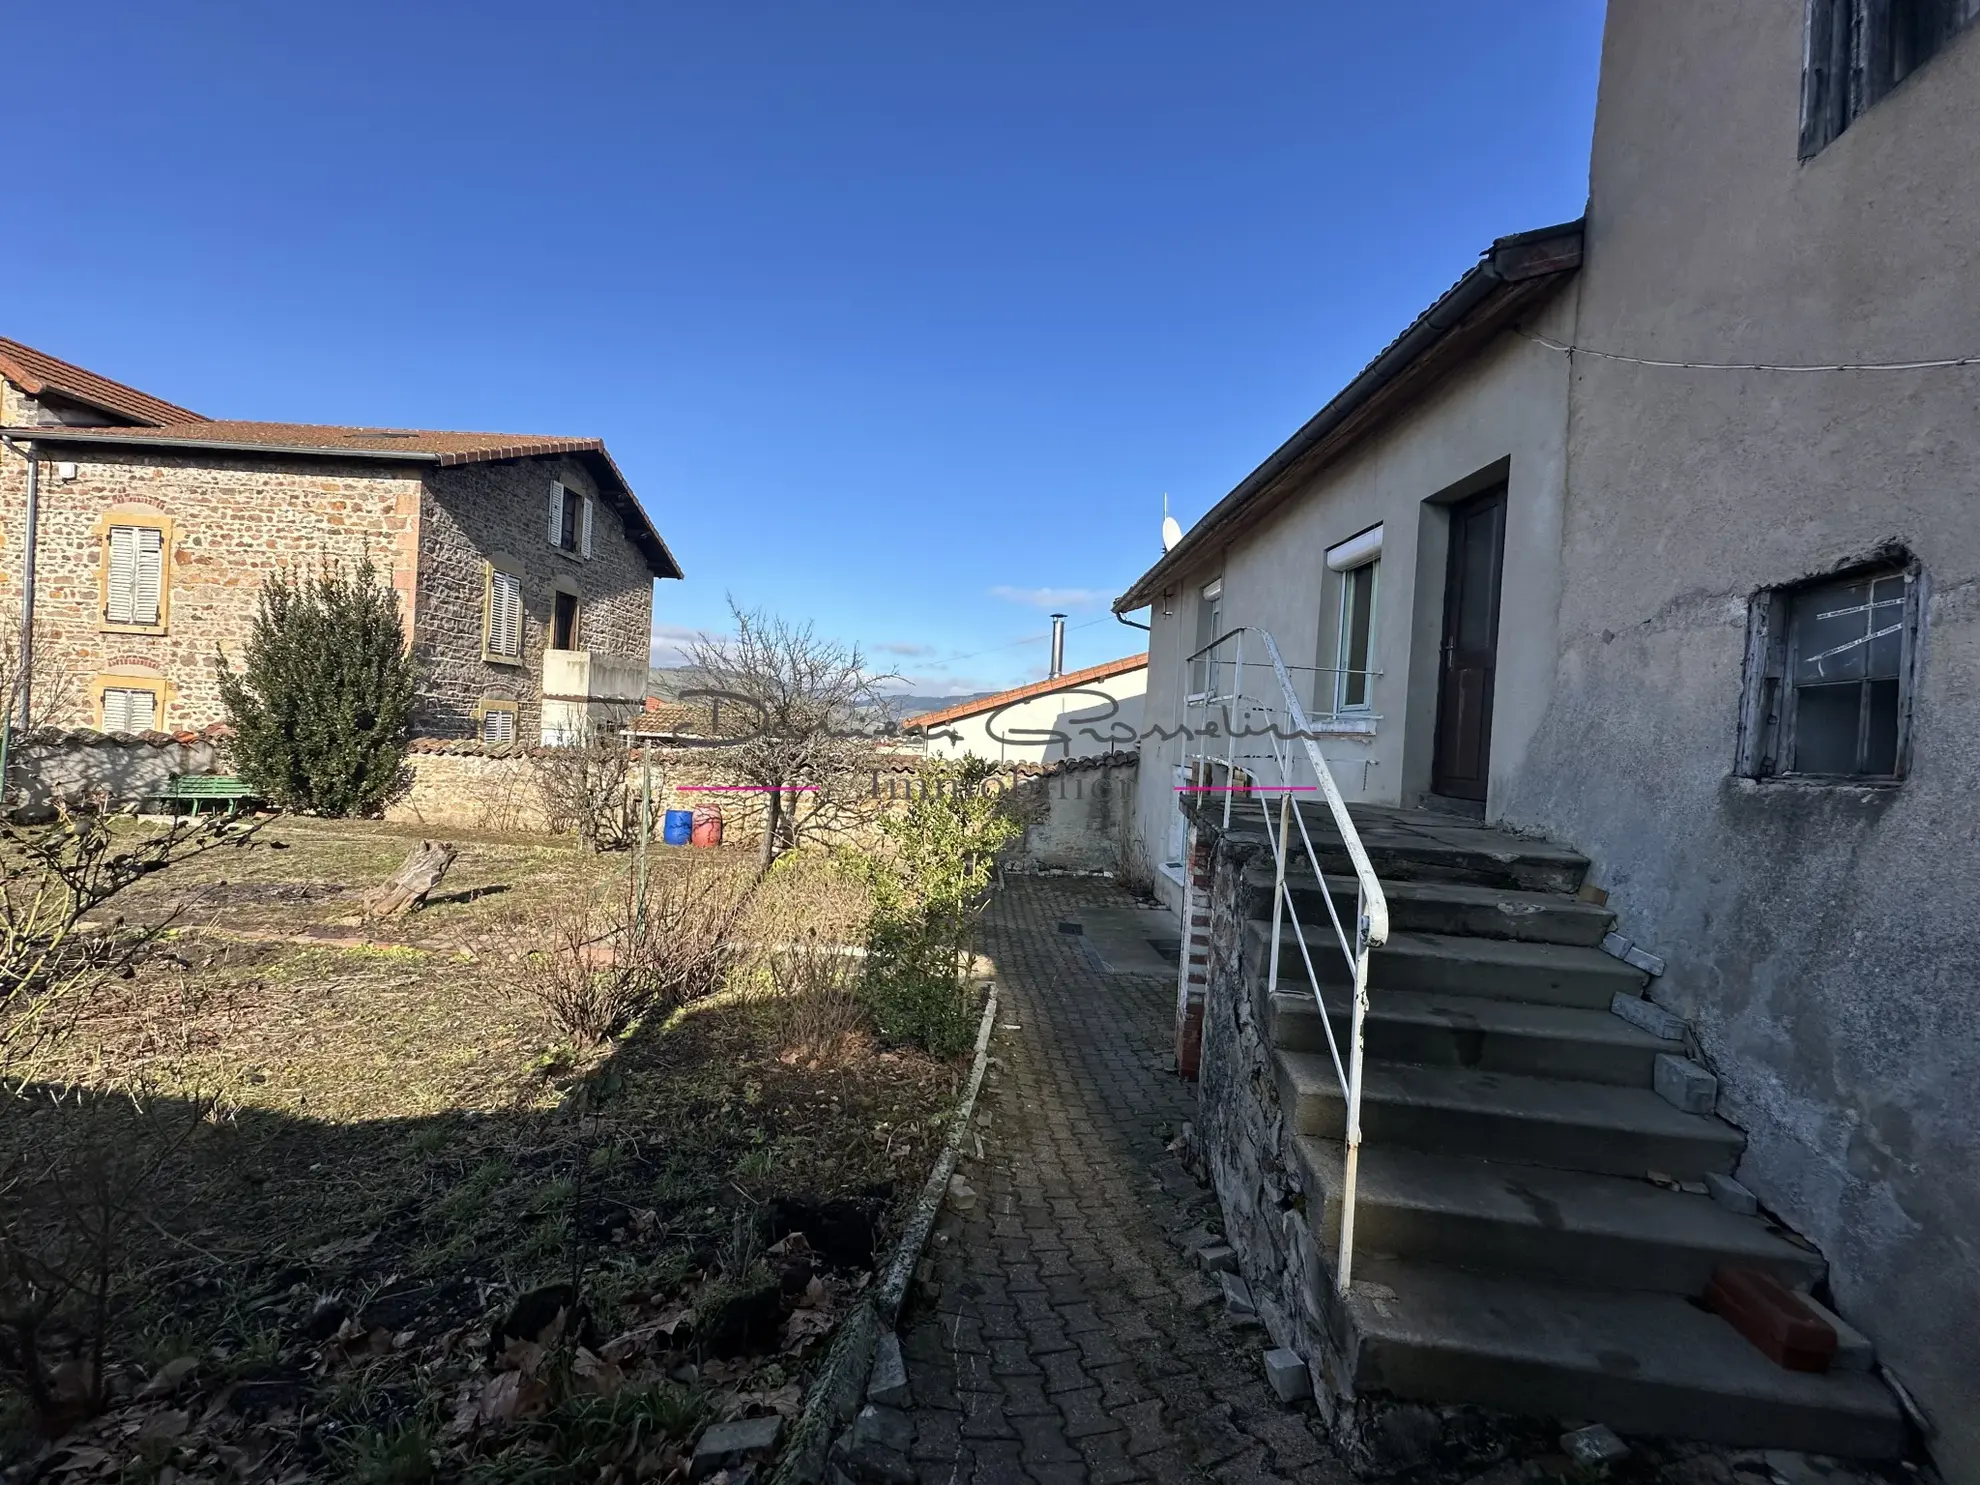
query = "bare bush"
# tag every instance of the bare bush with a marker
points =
(812, 711)
(587, 790)
(806, 933)
(607, 958)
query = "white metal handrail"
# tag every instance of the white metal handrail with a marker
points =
(1290, 737)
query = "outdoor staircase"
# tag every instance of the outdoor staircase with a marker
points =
(1511, 1248)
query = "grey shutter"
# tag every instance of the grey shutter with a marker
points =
(498, 727)
(148, 577)
(584, 527)
(505, 614)
(120, 591)
(556, 513)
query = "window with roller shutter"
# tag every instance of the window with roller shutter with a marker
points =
(135, 583)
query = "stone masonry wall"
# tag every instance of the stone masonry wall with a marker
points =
(1246, 1141)
(473, 512)
(233, 522)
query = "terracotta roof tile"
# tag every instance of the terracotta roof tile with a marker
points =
(1064, 682)
(449, 447)
(35, 372)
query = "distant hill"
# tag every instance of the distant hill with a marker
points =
(668, 681)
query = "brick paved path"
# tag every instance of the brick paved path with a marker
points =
(1069, 1342)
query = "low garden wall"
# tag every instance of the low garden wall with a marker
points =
(114, 769)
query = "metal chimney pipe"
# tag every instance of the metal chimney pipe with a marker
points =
(1058, 647)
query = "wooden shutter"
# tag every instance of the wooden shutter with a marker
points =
(556, 513)
(120, 591)
(498, 727)
(504, 614)
(129, 710)
(148, 578)
(584, 527)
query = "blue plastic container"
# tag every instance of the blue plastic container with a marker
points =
(678, 828)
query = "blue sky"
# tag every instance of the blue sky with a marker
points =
(899, 317)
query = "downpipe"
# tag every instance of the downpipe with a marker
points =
(22, 700)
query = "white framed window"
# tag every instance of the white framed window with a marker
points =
(129, 709)
(1209, 625)
(570, 519)
(136, 577)
(1354, 660)
(502, 633)
(1830, 667)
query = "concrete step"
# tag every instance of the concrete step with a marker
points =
(1496, 1116)
(1464, 1031)
(1569, 1227)
(1462, 908)
(1438, 963)
(1641, 1363)
(1414, 845)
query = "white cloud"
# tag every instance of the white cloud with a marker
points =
(1050, 599)
(671, 643)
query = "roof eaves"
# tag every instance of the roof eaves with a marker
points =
(142, 439)
(1505, 272)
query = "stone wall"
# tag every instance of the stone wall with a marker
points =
(229, 522)
(473, 512)
(1077, 814)
(91, 767)
(1245, 1140)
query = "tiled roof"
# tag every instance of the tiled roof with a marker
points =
(1064, 682)
(36, 372)
(447, 447)
(421, 445)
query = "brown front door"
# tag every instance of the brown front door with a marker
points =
(1471, 646)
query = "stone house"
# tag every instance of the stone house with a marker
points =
(1652, 540)
(524, 563)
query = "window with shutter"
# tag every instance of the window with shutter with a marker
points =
(498, 726)
(504, 635)
(584, 528)
(136, 580)
(129, 709)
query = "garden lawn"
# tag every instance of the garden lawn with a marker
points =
(386, 1222)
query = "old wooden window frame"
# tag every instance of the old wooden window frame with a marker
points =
(1856, 52)
(1768, 724)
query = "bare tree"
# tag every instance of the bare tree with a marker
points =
(812, 710)
(31, 697)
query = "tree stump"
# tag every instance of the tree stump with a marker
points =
(409, 885)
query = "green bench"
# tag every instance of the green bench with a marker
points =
(206, 788)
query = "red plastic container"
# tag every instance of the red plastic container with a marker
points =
(1772, 1316)
(707, 828)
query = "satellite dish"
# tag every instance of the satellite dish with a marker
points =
(1171, 529)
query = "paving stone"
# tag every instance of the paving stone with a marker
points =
(727, 1445)
(1044, 1441)
(1086, 1413)
(1107, 1460)
(1286, 1372)
(887, 1383)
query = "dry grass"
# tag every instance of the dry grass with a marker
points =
(397, 1125)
